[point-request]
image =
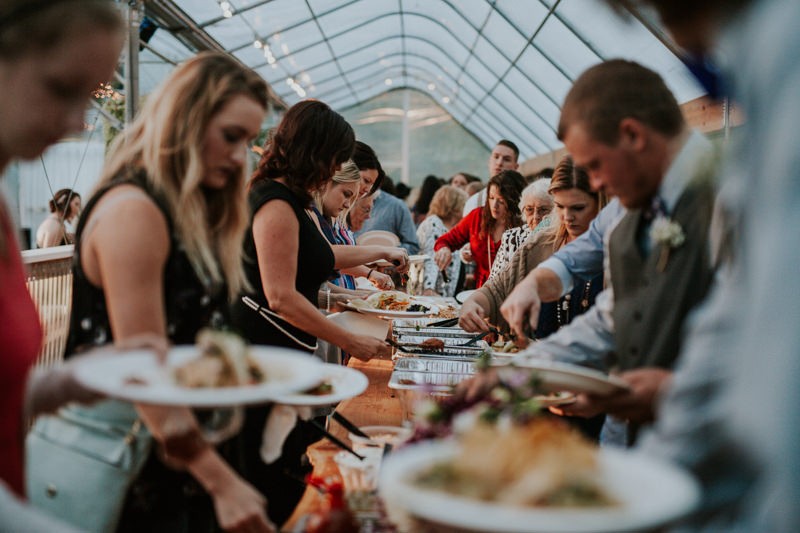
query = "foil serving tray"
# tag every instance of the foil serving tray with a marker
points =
(441, 381)
(440, 366)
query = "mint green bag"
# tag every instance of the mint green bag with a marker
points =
(81, 462)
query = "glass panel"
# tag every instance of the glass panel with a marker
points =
(526, 16)
(200, 11)
(614, 37)
(564, 48)
(294, 41)
(451, 60)
(474, 10)
(525, 111)
(354, 10)
(268, 18)
(435, 32)
(504, 36)
(546, 76)
(532, 96)
(230, 32)
(364, 33)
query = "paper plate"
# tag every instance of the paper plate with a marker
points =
(650, 493)
(136, 376)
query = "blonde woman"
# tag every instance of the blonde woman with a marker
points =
(158, 253)
(331, 207)
(446, 208)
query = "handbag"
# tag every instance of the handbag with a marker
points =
(81, 462)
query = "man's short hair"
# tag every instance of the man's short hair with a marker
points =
(614, 90)
(509, 144)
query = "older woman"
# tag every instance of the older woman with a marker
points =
(483, 227)
(444, 213)
(576, 204)
(535, 204)
(65, 206)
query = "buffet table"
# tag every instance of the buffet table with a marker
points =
(378, 405)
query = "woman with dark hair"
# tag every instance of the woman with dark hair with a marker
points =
(287, 258)
(430, 185)
(483, 227)
(369, 167)
(65, 206)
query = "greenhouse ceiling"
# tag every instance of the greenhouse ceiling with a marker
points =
(500, 68)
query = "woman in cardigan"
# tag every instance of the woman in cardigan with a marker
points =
(483, 227)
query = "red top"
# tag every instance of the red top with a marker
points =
(469, 231)
(20, 339)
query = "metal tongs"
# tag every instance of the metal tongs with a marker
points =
(479, 336)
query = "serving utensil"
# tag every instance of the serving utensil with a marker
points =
(325, 433)
(349, 426)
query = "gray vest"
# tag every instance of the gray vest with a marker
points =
(650, 306)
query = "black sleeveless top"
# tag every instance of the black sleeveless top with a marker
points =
(315, 265)
(190, 304)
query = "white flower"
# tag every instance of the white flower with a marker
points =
(667, 232)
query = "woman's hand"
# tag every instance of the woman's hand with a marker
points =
(472, 317)
(399, 258)
(466, 254)
(430, 292)
(241, 508)
(365, 348)
(442, 257)
(381, 280)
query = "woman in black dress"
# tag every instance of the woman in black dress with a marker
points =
(286, 260)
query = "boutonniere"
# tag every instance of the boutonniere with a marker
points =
(668, 234)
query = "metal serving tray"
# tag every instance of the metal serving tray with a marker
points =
(467, 352)
(414, 322)
(449, 366)
(433, 381)
(449, 342)
(432, 332)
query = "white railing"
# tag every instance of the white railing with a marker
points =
(49, 281)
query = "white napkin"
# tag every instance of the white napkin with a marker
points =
(281, 421)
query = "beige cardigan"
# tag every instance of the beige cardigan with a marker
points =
(535, 250)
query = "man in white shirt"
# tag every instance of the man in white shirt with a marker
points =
(504, 156)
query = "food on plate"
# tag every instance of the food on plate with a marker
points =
(432, 344)
(542, 463)
(503, 345)
(224, 362)
(323, 389)
(447, 311)
(396, 301)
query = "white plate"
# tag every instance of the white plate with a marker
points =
(555, 399)
(556, 377)
(388, 314)
(418, 258)
(288, 371)
(651, 493)
(463, 296)
(347, 383)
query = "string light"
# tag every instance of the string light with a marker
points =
(226, 8)
(296, 87)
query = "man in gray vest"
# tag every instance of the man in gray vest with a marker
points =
(622, 124)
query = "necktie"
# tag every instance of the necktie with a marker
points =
(656, 209)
